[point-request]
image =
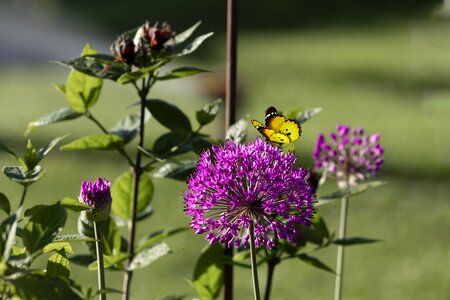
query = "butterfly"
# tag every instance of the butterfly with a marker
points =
(278, 129)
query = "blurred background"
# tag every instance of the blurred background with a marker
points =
(383, 65)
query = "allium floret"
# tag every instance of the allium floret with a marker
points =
(97, 195)
(235, 185)
(350, 156)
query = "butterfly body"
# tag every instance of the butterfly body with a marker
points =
(277, 128)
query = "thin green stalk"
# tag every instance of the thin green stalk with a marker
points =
(101, 268)
(340, 252)
(271, 264)
(13, 228)
(253, 263)
(24, 193)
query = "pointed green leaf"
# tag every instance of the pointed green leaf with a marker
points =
(110, 235)
(72, 238)
(157, 236)
(110, 261)
(209, 112)
(171, 143)
(238, 131)
(8, 233)
(128, 127)
(47, 148)
(44, 223)
(57, 246)
(145, 213)
(181, 73)
(122, 194)
(95, 142)
(139, 73)
(74, 205)
(195, 44)
(60, 87)
(208, 273)
(83, 91)
(169, 115)
(313, 261)
(5, 149)
(148, 255)
(98, 65)
(63, 114)
(181, 37)
(58, 265)
(179, 170)
(19, 175)
(303, 115)
(4, 204)
(355, 241)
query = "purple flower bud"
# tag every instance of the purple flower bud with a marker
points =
(97, 195)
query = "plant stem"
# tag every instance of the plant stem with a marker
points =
(253, 263)
(101, 268)
(24, 193)
(137, 171)
(13, 228)
(270, 271)
(230, 112)
(105, 131)
(340, 252)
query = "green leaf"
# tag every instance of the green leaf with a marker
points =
(169, 115)
(139, 73)
(209, 112)
(82, 260)
(57, 246)
(355, 241)
(195, 44)
(4, 204)
(181, 37)
(58, 265)
(182, 72)
(20, 175)
(44, 151)
(313, 261)
(110, 235)
(95, 142)
(110, 261)
(238, 131)
(156, 237)
(303, 116)
(200, 144)
(128, 127)
(74, 205)
(122, 194)
(145, 213)
(360, 188)
(208, 273)
(83, 91)
(173, 297)
(98, 65)
(179, 170)
(73, 238)
(63, 114)
(45, 222)
(171, 143)
(149, 255)
(60, 87)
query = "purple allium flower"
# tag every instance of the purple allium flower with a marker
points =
(97, 195)
(350, 156)
(235, 185)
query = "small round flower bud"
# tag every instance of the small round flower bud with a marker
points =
(155, 37)
(97, 195)
(123, 49)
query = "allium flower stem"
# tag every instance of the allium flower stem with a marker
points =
(101, 268)
(253, 263)
(271, 264)
(340, 250)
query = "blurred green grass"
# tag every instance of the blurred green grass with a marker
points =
(392, 78)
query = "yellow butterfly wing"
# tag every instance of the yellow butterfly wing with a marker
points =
(257, 124)
(291, 129)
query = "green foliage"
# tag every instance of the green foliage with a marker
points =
(238, 131)
(355, 241)
(95, 142)
(74, 205)
(209, 112)
(44, 223)
(58, 265)
(178, 170)
(208, 273)
(140, 73)
(4, 204)
(128, 127)
(63, 114)
(315, 262)
(181, 72)
(156, 237)
(356, 190)
(122, 194)
(148, 255)
(83, 91)
(303, 115)
(169, 115)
